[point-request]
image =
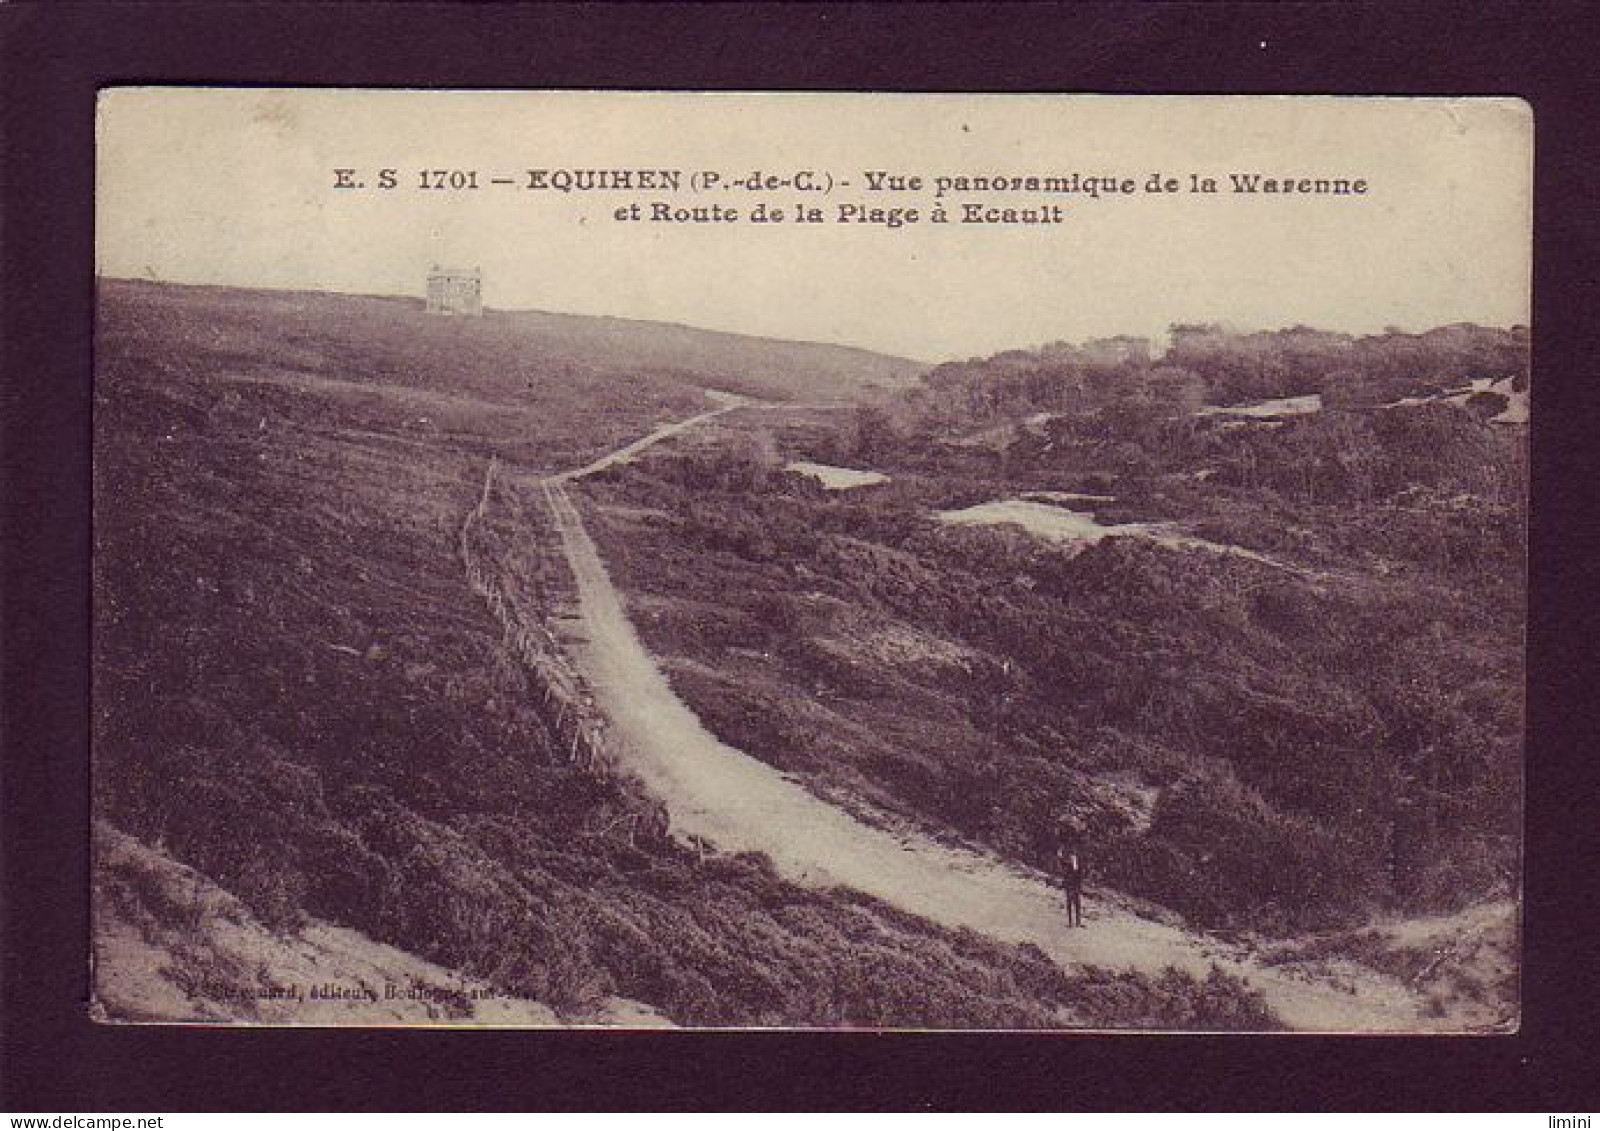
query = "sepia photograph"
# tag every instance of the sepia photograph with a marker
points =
(809, 561)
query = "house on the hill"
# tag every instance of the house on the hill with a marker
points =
(453, 290)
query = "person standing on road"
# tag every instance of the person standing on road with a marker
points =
(1073, 872)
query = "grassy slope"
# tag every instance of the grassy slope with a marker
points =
(760, 367)
(297, 695)
(171, 945)
(505, 355)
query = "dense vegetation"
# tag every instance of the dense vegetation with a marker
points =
(1210, 365)
(297, 694)
(1275, 745)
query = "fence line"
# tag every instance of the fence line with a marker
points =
(568, 707)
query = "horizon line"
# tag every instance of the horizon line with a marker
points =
(1224, 325)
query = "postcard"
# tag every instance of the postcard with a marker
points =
(810, 561)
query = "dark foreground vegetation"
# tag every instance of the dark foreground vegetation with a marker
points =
(1277, 745)
(297, 695)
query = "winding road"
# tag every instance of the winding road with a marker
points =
(737, 803)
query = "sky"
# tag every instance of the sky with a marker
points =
(238, 187)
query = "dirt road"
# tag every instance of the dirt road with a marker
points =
(738, 803)
(727, 401)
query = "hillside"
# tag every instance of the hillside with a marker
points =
(504, 354)
(166, 935)
(302, 704)
(760, 367)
